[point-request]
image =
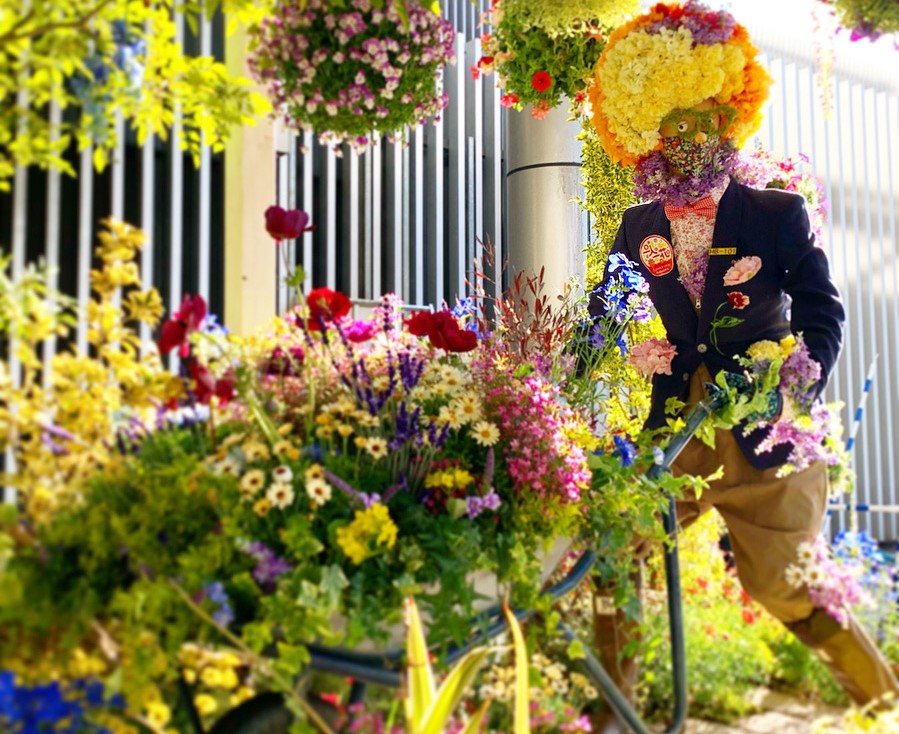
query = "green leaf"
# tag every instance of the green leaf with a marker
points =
(419, 675)
(575, 650)
(522, 684)
(452, 691)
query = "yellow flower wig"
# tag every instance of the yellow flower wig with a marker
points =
(674, 57)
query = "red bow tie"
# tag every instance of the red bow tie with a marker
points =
(705, 207)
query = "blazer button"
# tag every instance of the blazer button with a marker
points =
(686, 376)
(702, 349)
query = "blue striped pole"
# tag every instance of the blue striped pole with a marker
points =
(850, 443)
(857, 420)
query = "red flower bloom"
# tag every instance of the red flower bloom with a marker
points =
(442, 330)
(748, 616)
(187, 320)
(738, 300)
(326, 305)
(508, 100)
(286, 224)
(475, 72)
(282, 361)
(541, 81)
(205, 386)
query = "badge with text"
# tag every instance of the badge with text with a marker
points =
(657, 255)
(722, 251)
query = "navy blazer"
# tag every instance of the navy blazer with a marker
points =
(791, 293)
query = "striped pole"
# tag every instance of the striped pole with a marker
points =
(850, 443)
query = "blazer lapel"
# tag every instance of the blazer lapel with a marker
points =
(727, 227)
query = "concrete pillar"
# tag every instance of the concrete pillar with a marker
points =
(251, 266)
(546, 228)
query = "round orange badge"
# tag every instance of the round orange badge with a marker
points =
(657, 255)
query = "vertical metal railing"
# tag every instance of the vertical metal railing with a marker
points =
(853, 154)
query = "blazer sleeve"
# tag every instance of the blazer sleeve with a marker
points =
(816, 309)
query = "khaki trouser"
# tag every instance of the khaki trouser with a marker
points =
(767, 517)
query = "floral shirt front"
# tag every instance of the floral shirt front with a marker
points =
(691, 237)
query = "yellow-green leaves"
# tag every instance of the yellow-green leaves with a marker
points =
(427, 708)
(522, 681)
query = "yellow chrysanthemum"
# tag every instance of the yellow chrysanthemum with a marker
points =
(205, 704)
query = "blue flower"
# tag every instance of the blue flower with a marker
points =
(619, 260)
(624, 450)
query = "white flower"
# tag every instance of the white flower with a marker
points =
(229, 465)
(283, 474)
(280, 495)
(805, 552)
(319, 491)
(795, 576)
(814, 575)
(376, 447)
(485, 433)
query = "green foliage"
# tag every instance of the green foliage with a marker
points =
(608, 191)
(104, 59)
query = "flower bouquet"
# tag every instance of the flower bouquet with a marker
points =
(348, 71)
(778, 392)
(219, 518)
(544, 52)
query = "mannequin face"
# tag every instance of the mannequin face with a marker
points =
(691, 137)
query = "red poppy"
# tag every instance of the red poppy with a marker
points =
(738, 300)
(326, 305)
(286, 224)
(187, 320)
(541, 81)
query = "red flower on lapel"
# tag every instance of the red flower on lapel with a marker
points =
(738, 300)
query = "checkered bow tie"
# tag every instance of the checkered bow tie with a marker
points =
(704, 207)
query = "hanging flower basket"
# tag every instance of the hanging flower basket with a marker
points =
(348, 73)
(544, 52)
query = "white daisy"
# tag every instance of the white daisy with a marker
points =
(795, 576)
(252, 482)
(280, 495)
(485, 433)
(805, 552)
(319, 491)
(283, 474)
(376, 447)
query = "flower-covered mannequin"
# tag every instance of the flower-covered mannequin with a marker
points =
(677, 91)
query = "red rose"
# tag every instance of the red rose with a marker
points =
(442, 330)
(419, 324)
(541, 81)
(326, 305)
(738, 300)
(187, 320)
(284, 224)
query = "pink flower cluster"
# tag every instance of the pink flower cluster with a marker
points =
(653, 357)
(539, 456)
(833, 587)
(347, 75)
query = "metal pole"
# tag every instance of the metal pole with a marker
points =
(547, 229)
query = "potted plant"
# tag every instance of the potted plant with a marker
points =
(543, 53)
(350, 71)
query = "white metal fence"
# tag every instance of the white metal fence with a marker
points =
(855, 155)
(411, 219)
